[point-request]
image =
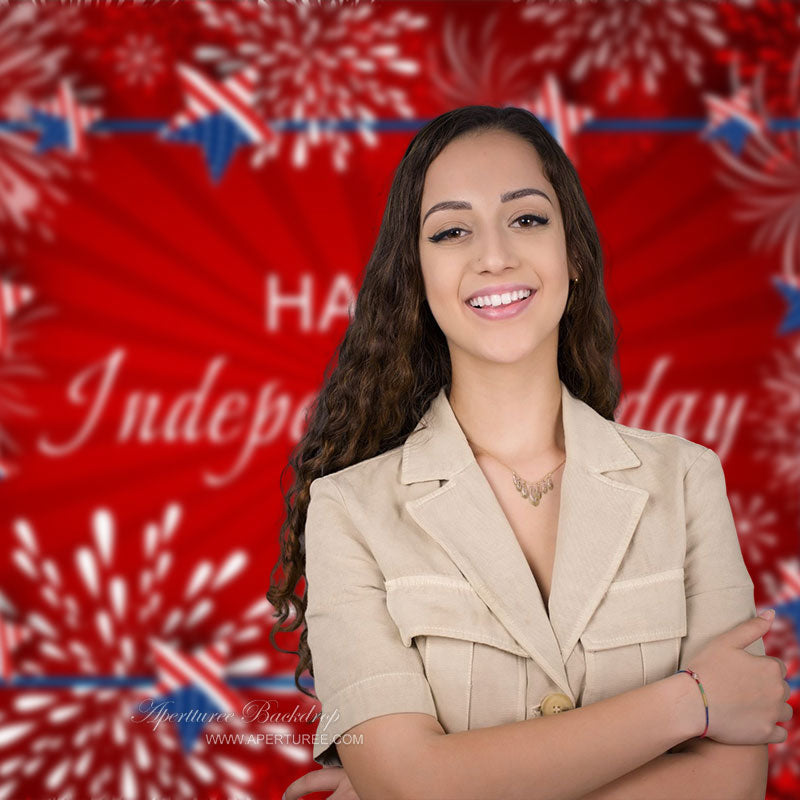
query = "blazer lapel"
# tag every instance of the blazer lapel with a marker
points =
(597, 518)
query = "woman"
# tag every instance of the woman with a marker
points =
(484, 547)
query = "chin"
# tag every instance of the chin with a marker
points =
(503, 355)
(502, 348)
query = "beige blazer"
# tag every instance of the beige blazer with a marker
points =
(421, 599)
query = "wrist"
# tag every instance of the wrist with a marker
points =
(688, 718)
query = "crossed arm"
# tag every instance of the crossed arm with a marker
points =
(699, 768)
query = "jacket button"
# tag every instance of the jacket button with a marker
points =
(556, 703)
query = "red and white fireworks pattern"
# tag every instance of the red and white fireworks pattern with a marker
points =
(755, 522)
(140, 60)
(319, 61)
(762, 35)
(30, 65)
(18, 313)
(633, 44)
(468, 69)
(776, 420)
(766, 178)
(99, 620)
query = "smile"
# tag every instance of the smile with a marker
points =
(501, 306)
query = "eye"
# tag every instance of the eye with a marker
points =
(444, 235)
(540, 219)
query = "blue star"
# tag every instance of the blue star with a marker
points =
(792, 294)
(190, 701)
(734, 132)
(548, 123)
(55, 132)
(791, 610)
(218, 135)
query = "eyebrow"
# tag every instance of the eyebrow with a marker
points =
(460, 205)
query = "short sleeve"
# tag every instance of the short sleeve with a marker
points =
(362, 669)
(719, 590)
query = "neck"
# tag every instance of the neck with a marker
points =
(518, 422)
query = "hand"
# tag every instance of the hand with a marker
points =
(329, 779)
(746, 693)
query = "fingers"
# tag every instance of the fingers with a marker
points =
(344, 792)
(779, 735)
(320, 780)
(780, 663)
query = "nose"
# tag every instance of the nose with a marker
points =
(494, 252)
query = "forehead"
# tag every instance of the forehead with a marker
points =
(484, 164)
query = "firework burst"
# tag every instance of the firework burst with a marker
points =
(628, 43)
(476, 72)
(101, 620)
(140, 60)
(777, 419)
(754, 524)
(317, 61)
(766, 178)
(32, 58)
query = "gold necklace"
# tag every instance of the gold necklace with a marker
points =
(530, 491)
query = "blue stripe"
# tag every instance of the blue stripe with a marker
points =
(132, 681)
(621, 125)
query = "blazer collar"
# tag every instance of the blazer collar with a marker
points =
(597, 517)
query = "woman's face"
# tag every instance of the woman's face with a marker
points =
(495, 242)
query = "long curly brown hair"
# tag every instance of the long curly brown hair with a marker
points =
(394, 359)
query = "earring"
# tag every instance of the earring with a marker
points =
(573, 282)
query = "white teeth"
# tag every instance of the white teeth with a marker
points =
(499, 299)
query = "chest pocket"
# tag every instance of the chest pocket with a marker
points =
(634, 636)
(475, 668)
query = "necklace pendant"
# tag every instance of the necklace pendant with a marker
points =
(533, 491)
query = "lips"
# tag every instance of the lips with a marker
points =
(503, 311)
(503, 299)
(500, 289)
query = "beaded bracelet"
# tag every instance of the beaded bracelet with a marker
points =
(694, 675)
